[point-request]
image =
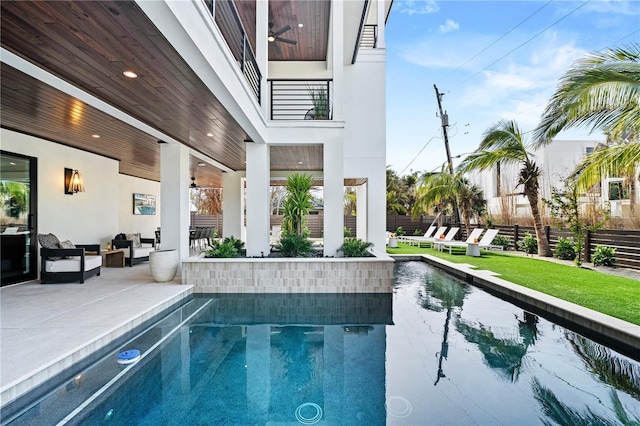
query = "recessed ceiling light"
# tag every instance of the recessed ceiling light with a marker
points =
(210, 135)
(95, 136)
(202, 164)
(300, 25)
(130, 74)
(12, 163)
(300, 162)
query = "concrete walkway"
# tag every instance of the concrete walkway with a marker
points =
(47, 328)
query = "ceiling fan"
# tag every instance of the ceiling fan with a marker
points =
(193, 183)
(274, 36)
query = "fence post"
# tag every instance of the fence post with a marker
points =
(515, 237)
(547, 233)
(587, 246)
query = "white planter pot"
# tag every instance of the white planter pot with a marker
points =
(163, 264)
(393, 242)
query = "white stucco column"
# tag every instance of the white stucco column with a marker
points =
(333, 196)
(257, 208)
(381, 24)
(362, 212)
(174, 190)
(232, 211)
(262, 51)
(337, 61)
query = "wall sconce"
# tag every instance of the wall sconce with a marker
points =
(72, 182)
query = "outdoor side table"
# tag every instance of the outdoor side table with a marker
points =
(113, 258)
(473, 250)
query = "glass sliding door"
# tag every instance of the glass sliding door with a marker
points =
(18, 181)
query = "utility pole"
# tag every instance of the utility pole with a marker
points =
(444, 119)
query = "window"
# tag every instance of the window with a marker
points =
(618, 191)
(589, 150)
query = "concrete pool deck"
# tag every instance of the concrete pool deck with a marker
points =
(44, 329)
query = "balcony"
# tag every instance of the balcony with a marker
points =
(228, 21)
(294, 99)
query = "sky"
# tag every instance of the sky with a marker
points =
(492, 60)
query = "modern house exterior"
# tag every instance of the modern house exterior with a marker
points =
(556, 161)
(144, 98)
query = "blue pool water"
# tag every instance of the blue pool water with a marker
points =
(435, 352)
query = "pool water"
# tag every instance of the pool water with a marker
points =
(435, 352)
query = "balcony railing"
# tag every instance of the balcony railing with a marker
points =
(369, 38)
(228, 21)
(293, 99)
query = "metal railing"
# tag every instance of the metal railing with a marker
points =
(369, 38)
(228, 21)
(292, 99)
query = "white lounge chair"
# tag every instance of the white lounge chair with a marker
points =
(420, 240)
(487, 239)
(473, 237)
(450, 235)
(428, 234)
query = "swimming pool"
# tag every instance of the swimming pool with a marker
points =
(436, 351)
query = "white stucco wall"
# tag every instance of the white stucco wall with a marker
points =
(96, 215)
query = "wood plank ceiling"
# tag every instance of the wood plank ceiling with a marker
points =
(90, 44)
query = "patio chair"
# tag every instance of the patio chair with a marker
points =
(473, 236)
(64, 262)
(420, 240)
(136, 249)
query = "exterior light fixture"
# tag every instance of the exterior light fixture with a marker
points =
(72, 182)
(130, 74)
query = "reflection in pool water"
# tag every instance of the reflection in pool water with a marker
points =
(449, 354)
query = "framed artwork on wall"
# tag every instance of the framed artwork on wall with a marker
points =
(144, 204)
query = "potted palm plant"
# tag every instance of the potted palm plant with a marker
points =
(320, 100)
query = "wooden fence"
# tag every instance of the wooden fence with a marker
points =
(626, 242)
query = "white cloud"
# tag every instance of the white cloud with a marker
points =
(449, 25)
(416, 7)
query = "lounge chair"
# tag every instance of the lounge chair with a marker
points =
(473, 237)
(450, 235)
(420, 240)
(428, 234)
(485, 242)
(64, 262)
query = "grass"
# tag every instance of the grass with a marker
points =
(612, 295)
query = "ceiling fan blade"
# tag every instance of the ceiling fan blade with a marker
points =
(276, 48)
(286, 40)
(282, 30)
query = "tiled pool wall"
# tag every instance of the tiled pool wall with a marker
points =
(289, 275)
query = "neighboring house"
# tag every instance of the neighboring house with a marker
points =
(224, 94)
(556, 161)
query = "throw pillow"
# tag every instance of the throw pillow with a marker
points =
(135, 239)
(49, 241)
(67, 244)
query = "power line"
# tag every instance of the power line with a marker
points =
(503, 36)
(418, 154)
(522, 44)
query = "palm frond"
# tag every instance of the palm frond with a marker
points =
(600, 91)
(608, 161)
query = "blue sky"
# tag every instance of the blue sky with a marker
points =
(492, 60)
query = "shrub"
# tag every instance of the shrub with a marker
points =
(346, 232)
(529, 245)
(501, 240)
(565, 249)
(399, 231)
(227, 248)
(354, 247)
(292, 245)
(603, 256)
(418, 232)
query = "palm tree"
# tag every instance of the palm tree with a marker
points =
(504, 143)
(397, 194)
(601, 90)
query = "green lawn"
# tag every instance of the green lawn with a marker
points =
(612, 295)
